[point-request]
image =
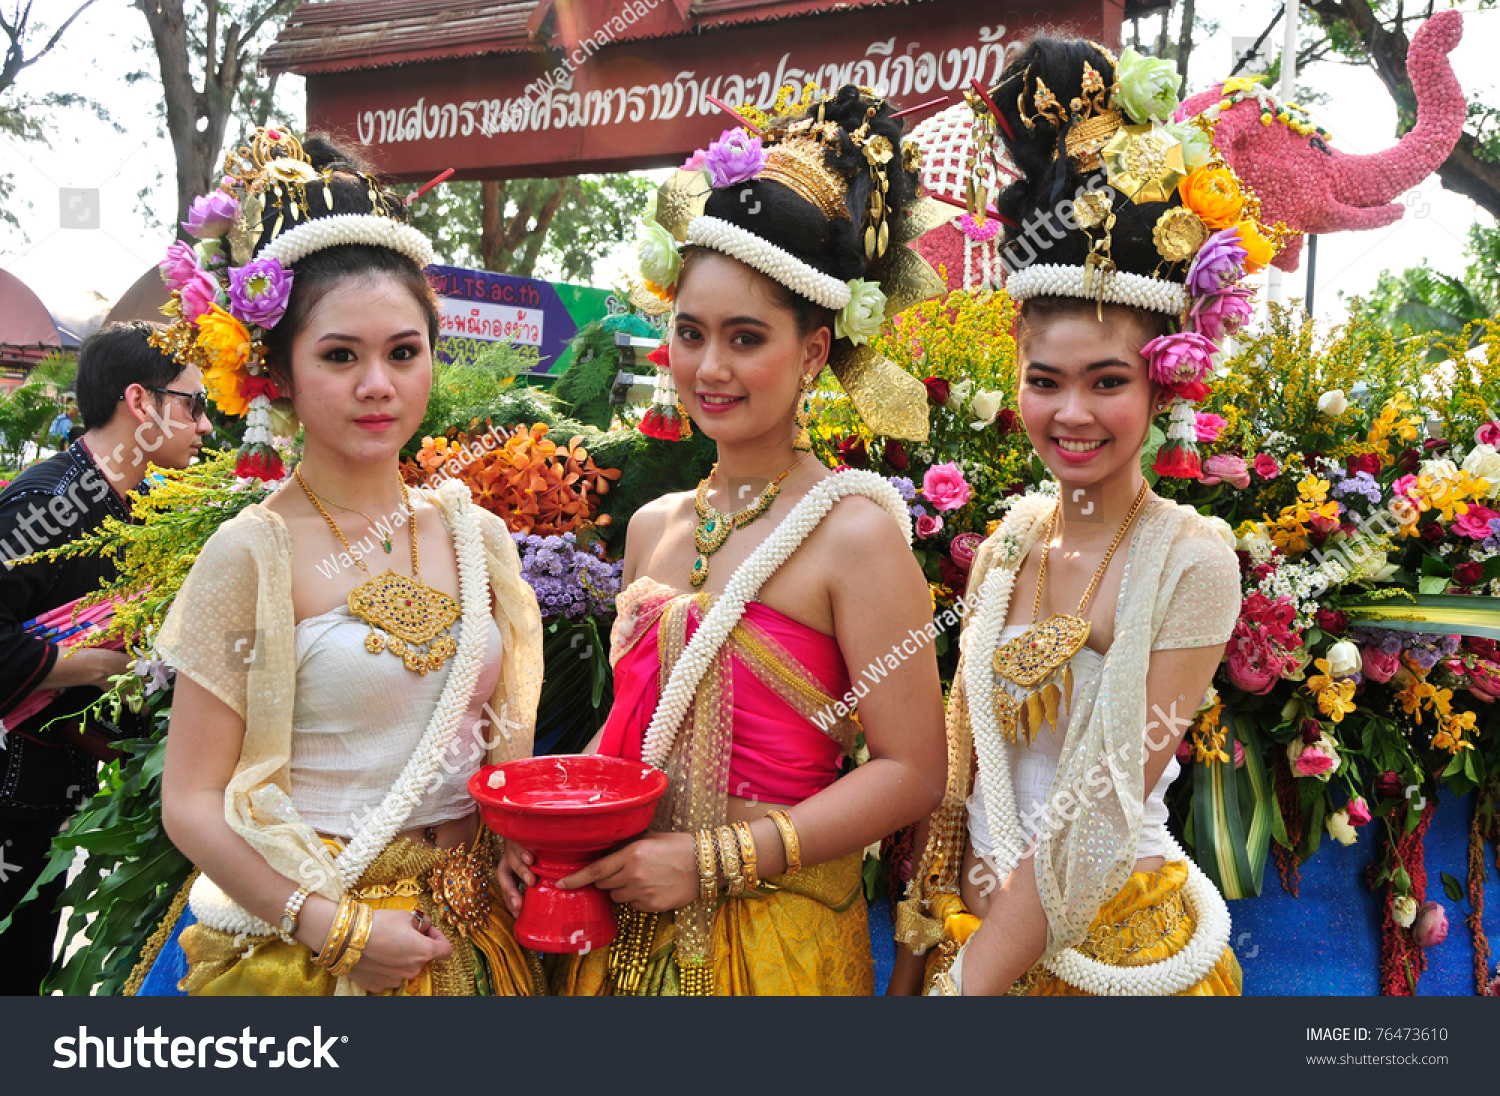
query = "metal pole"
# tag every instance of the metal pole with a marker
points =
(1285, 92)
(1312, 269)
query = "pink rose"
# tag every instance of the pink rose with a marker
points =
(180, 264)
(1376, 665)
(945, 487)
(962, 550)
(1403, 485)
(1488, 434)
(1431, 926)
(1359, 811)
(1312, 761)
(1484, 681)
(928, 526)
(1265, 466)
(1209, 425)
(1229, 469)
(198, 292)
(1185, 750)
(1251, 675)
(1476, 523)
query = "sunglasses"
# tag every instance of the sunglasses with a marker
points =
(197, 401)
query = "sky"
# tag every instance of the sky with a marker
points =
(72, 269)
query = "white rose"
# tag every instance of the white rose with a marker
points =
(1483, 462)
(1258, 543)
(1436, 471)
(958, 395)
(1225, 531)
(1333, 404)
(860, 320)
(1304, 660)
(985, 406)
(1339, 828)
(656, 249)
(1343, 659)
(1404, 910)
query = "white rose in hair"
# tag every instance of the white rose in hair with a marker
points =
(1334, 403)
(860, 320)
(656, 249)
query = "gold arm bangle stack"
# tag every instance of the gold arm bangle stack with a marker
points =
(788, 840)
(338, 933)
(708, 866)
(747, 854)
(729, 855)
(359, 936)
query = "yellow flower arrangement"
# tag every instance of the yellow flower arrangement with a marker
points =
(1454, 727)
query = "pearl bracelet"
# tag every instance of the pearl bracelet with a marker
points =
(290, 913)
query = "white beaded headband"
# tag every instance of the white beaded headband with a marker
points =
(1136, 290)
(349, 228)
(778, 265)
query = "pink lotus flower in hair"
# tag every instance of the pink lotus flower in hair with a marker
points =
(735, 157)
(180, 264)
(1179, 360)
(1222, 313)
(211, 215)
(198, 292)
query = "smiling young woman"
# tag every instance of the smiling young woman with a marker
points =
(320, 744)
(752, 605)
(1103, 609)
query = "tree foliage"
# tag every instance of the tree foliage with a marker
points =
(1428, 302)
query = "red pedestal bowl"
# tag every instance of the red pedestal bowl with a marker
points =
(568, 810)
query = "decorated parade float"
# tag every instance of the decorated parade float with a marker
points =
(1351, 740)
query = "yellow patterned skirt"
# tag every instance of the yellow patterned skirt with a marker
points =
(1145, 922)
(802, 935)
(486, 962)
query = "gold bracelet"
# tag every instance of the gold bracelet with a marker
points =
(729, 857)
(747, 854)
(788, 840)
(338, 933)
(708, 868)
(359, 936)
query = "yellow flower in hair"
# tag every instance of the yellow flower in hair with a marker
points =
(1213, 194)
(223, 339)
(1258, 250)
(223, 387)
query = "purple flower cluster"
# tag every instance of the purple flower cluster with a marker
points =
(1491, 543)
(1362, 484)
(569, 581)
(908, 491)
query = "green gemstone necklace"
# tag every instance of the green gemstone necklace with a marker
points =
(714, 526)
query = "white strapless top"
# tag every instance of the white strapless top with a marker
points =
(358, 717)
(1033, 768)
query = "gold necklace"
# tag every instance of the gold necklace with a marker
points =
(714, 526)
(405, 615)
(385, 539)
(1040, 659)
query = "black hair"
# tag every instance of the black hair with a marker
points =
(111, 360)
(352, 187)
(1048, 176)
(781, 216)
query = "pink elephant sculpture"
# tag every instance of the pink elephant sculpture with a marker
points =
(1311, 187)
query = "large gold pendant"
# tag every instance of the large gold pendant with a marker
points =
(460, 884)
(1040, 662)
(412, 615)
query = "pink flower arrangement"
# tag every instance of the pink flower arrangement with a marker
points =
(945, 487)
(1225, 468)
(1377, 666)
(979, 232)
(1179, 360)
(928, 526)
(1265, 466)
(1313, 761)
(1208, 425)
(1476, 522)
(1260, 647)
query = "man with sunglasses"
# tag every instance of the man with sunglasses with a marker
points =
(138, 408)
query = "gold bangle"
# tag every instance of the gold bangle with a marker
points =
(359, 936)
(747, 854)
(729, 857)
(788, 840)
(708, 868)
(338, 933)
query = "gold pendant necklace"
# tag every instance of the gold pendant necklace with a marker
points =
(1040, 659)
(714, 526)
(405, 615)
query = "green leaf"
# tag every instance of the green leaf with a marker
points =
(1452, 888)
(1432, 584)
(1154, 442)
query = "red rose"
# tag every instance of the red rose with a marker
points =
(1331, 620)
(952, 576)
(1437, 446)
(852, 450)
(1311, 730)
(895, 455)
(1468, 573)
(1365, 462)
(1408, 460)
(1484, 648)
(1433, 533)
(1389, 785)
(1007, 421)
(937, 391)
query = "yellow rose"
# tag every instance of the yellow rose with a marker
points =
(1258, 249)
(223, 387)
(1213, 194)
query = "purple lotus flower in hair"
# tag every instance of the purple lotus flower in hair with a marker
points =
(733, 158)
(179, 266)
(1222, 313)
(258, 291)
(210, 215)
(1219, 264)
(1181, 359)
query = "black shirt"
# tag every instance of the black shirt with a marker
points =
(50, 503)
